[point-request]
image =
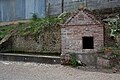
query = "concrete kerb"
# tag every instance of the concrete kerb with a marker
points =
(30, 58)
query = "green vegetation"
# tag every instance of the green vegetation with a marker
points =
(6, 30)
(114, 26)
(73, 60)
(34, 27)
(34, 17)
(112, 33)
(111, 49)
(38, 25)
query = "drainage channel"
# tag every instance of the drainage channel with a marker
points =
(30, 58)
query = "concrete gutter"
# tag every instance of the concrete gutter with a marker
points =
(30, 58)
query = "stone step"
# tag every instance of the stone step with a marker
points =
(30, 58)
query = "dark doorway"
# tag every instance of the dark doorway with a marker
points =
(88, 42)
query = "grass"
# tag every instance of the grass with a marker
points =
(31, 28)
(6, 30)
(35, 26)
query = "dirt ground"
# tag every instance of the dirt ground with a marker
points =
(37, 71)
(13, 22)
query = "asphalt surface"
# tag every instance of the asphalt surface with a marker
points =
(37, 71)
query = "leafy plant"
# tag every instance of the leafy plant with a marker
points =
(35, 27)
(73, 60)
(114, 26)
(34, 16)
(38, 25)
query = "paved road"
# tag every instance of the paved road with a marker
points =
(33, 71)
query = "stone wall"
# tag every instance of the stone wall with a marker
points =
(7, 45)
(73, 33)
(101, 4)
(48, 42)
(72, 41)
(72, 38)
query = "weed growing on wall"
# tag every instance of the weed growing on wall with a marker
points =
(34, 16)
(35, 27)
(73, 60)
(40, 25)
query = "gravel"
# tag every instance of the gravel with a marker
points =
(37, 71)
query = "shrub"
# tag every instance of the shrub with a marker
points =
(73, 60)
(34, 16)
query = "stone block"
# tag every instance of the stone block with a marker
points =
(88, 59)
(102, 62)
(65, 59)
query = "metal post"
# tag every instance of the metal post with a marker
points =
(86, 4)
(62, 6)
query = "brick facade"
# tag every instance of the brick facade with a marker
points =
(79, 25)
